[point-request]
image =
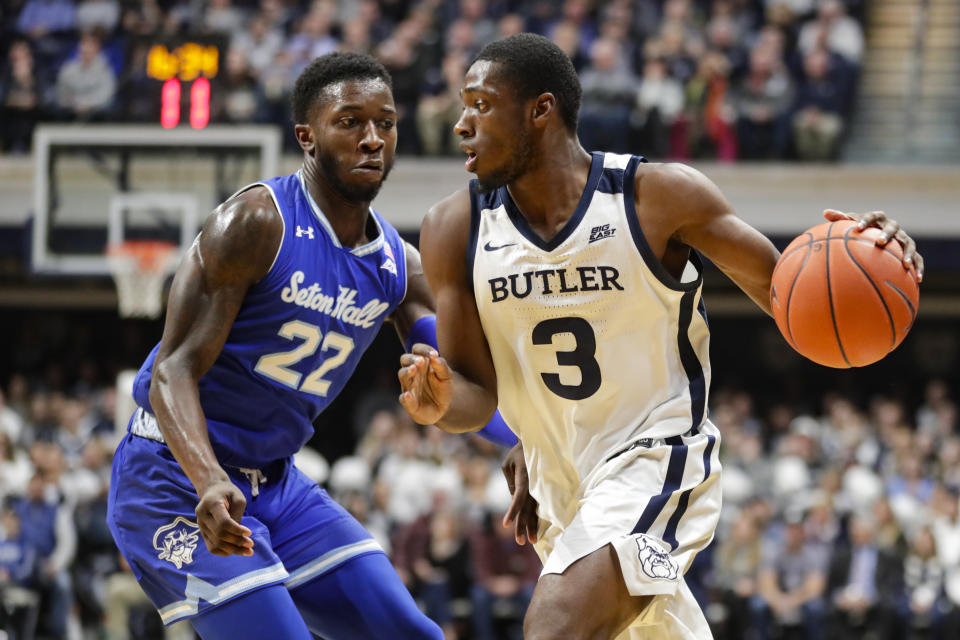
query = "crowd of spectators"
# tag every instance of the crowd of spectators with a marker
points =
(719, 79)
(837, 523)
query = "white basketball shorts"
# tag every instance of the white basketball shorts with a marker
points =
(657, 503)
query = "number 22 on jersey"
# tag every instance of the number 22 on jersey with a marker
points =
(276, 365)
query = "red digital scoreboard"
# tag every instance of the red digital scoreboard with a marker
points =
(185, 70)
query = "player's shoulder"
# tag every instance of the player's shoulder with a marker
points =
(454, 205)
(451, 214)
(668, 176)
(677, 189)
(245, 228)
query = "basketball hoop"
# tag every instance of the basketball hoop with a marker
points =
(139, 268)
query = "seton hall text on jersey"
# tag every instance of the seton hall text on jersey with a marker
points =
(341, 308)
(555, 281)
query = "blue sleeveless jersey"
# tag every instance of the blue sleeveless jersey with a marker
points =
(299, 334)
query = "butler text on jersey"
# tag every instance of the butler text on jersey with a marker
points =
(550, 281)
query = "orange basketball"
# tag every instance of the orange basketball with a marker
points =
(841, 300)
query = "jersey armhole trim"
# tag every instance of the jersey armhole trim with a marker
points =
(474, 233)
(405, 272)
(633, 222)
(283, 235)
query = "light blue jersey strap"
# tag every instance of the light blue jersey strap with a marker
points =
(425, 330)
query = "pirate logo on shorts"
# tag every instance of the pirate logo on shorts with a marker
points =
(655, 562)
(177, 541)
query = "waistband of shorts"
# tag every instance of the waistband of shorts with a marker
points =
(649, 443)
(144, 425)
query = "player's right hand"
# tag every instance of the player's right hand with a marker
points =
(219, 514)
(522, 513)
(427, 384)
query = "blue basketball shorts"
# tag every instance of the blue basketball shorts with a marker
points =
(298, 531)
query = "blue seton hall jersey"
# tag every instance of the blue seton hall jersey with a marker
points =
(299, 334)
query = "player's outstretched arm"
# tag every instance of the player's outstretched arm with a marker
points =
(457, 391)
(236, 247)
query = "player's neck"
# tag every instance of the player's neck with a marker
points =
(548, 195)
(348, 218)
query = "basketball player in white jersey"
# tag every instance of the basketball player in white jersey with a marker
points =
(568, 291)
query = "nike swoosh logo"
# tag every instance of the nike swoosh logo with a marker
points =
(490, 247)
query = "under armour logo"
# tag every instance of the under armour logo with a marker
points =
(304, 232)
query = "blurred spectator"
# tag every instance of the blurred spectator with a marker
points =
(221, 17)
(762, 100)
(259, 43)
(791, 583)
(440, 108)
(504, 577)
(98, 14)
(567, 37)
(475, 14)
(861, 576)
(834, 30)
(708, 120)
(432, 557)
(46, 522)
(11, 424)
(19, 605)
(736, 565)
(921, 604)
(608, 96)
(40, 18)
(85, 86)
(659, 102)
(15, 468)
(22, 89)
(818, 121)
(313, 37)
(946, 525)
(239, 99)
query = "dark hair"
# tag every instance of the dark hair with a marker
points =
(327, 70)
(535, 65)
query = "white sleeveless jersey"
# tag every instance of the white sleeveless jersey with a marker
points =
(595, 344)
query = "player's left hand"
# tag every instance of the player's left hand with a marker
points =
(522, 513)
(890, 229)
(427, 384)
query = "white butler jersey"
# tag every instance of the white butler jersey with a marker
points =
(596, 346)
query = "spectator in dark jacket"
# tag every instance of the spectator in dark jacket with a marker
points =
(861, 574)
(818, 118)
(504, 574)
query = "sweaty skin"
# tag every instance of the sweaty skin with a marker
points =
(525, 145)
(355, 126)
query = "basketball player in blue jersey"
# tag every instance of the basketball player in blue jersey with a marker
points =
(578, 312)
(284, 288)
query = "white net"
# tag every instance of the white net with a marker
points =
(140, 269)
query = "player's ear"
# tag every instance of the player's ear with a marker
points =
(305, 138)
(544, 106)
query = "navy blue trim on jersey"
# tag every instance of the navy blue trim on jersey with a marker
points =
(678, 460)
(611, 181)
(690, 361)
(596, 170)
(670, 533)
(702, 309)
(633, 222)
(474, 230)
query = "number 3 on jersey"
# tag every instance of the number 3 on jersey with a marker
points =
(274, 366)
(581, 357)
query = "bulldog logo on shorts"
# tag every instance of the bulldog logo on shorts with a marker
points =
(656, 562)
(177, 541)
